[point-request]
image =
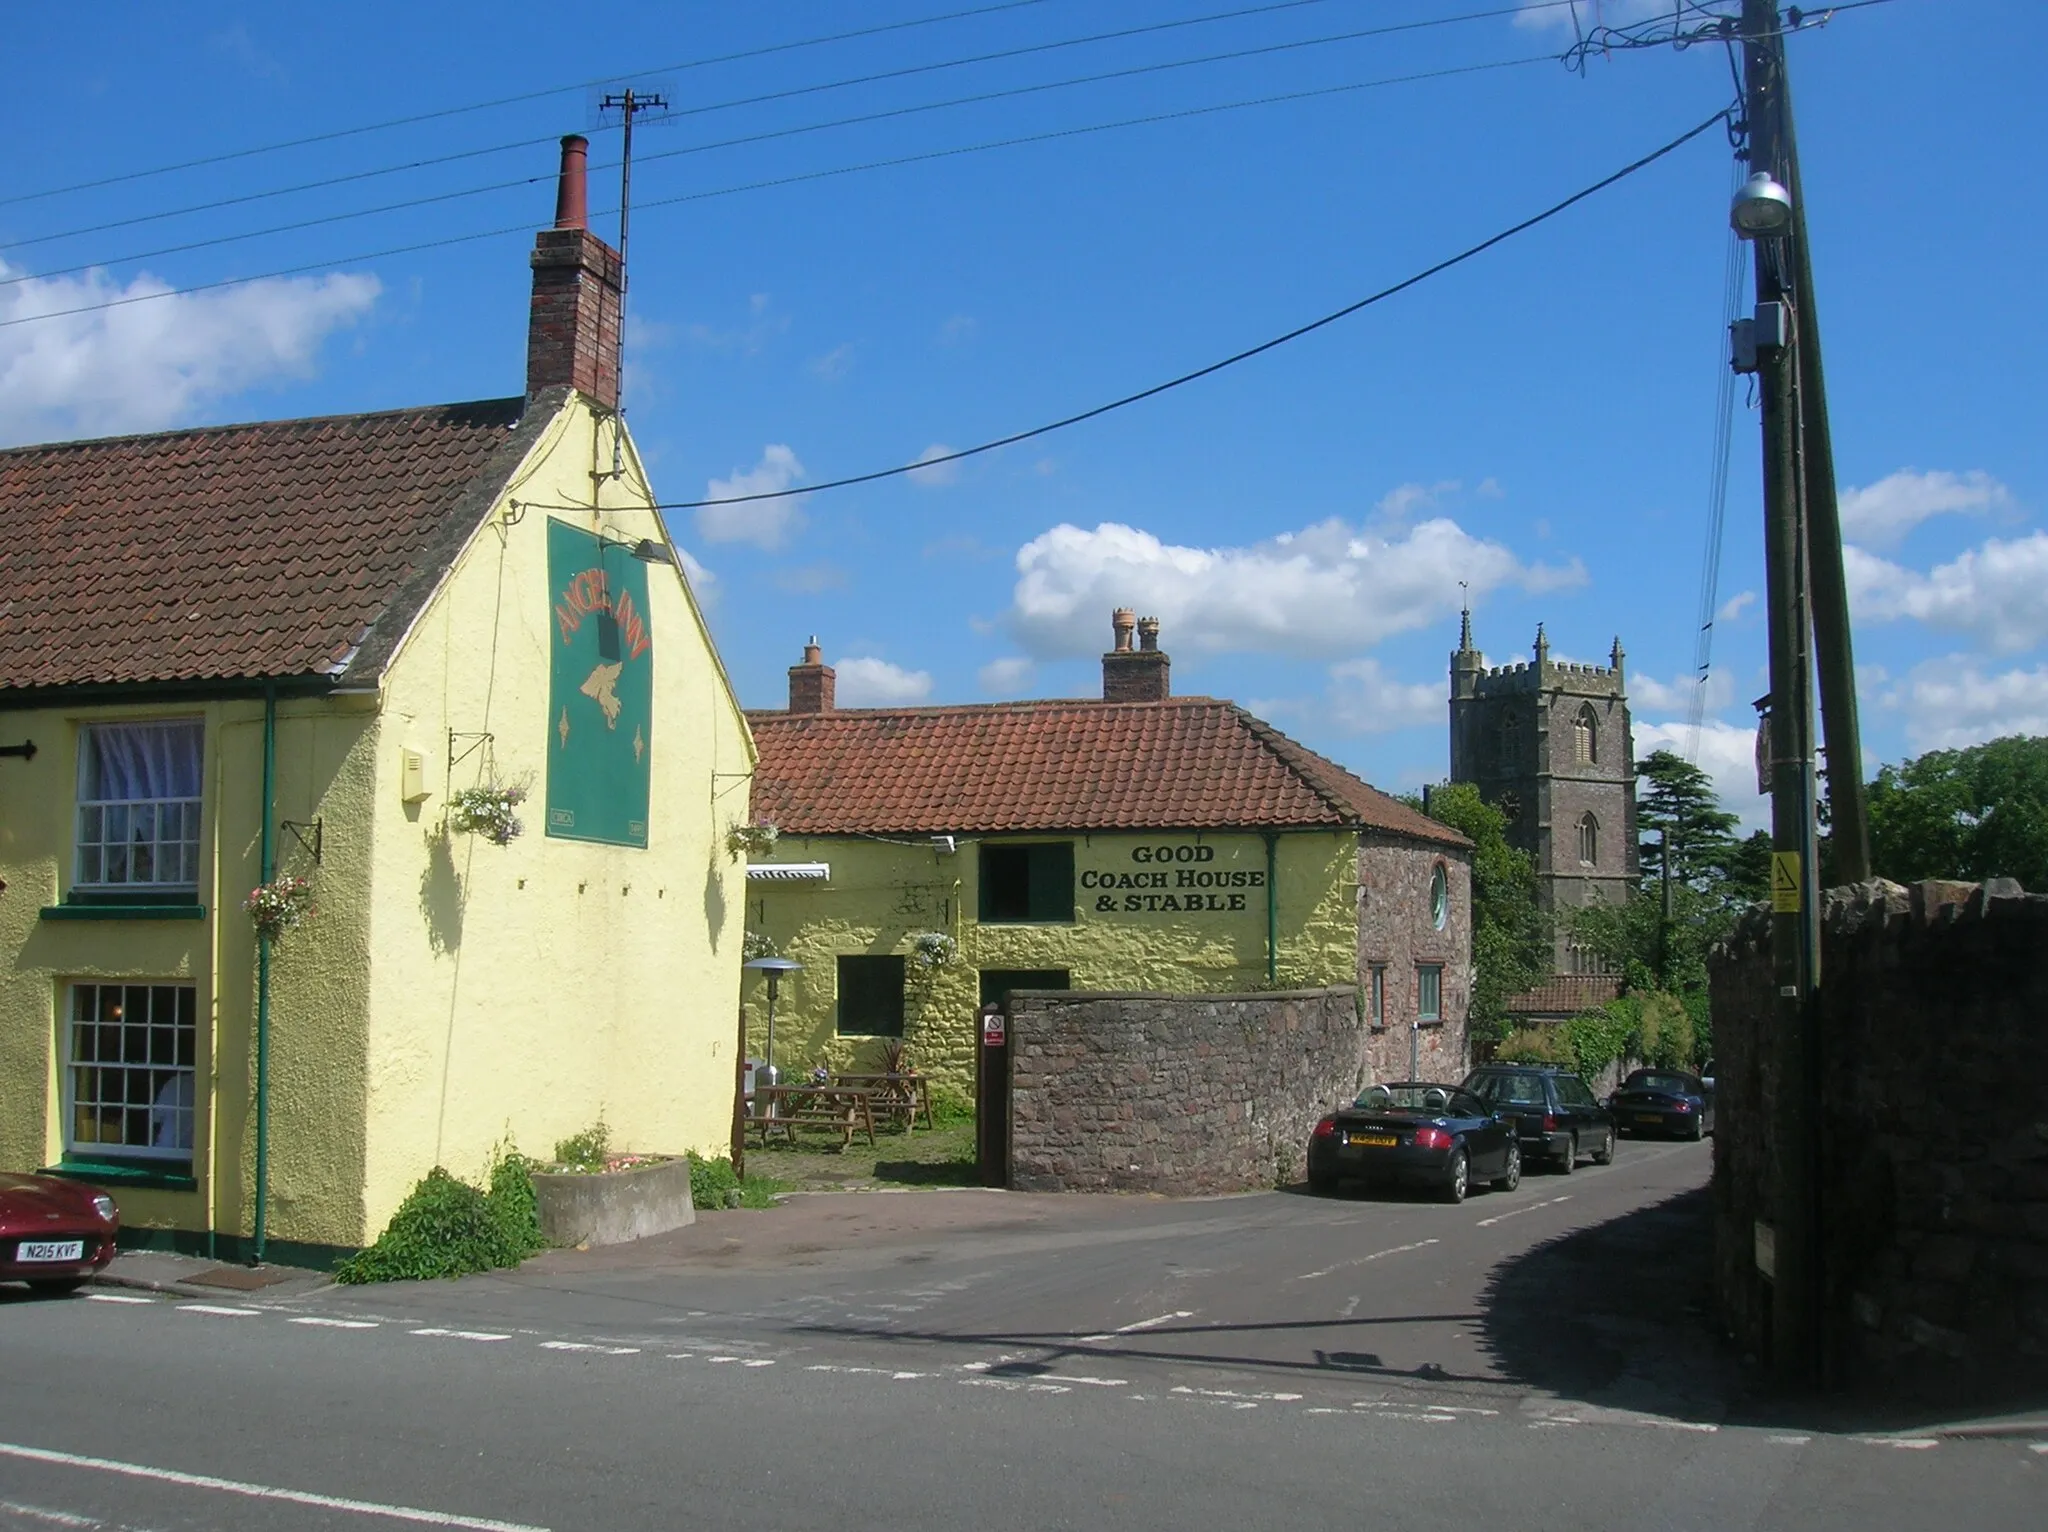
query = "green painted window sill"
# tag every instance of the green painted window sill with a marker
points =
(142, 1177)
(165, 911)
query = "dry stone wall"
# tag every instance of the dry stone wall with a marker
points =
(1934, 1134)
(1175, 1093)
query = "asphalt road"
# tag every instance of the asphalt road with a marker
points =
(1539, 1357)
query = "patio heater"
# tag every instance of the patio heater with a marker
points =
(774, 968)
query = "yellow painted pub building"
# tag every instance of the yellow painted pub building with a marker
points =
(441, 665)
(930, 860)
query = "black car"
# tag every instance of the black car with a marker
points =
(1558, 1117)
(1413, 1131)
(1664, 1101)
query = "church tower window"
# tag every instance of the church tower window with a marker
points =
(1587, 731)
(1589, 841)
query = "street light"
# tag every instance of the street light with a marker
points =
(774, 968)
(1762, 209)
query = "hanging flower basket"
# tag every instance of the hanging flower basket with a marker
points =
(279, 905)
(489, 812)
(933, 949)
(746, 841)
(755, 944)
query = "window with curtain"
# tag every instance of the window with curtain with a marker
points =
(1429, 994)
(1587, 730)
(131, 1052)
(1589, 841)
(138, 805)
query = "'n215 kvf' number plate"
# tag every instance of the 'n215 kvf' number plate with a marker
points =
(51, 1250)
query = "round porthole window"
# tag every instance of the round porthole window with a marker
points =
(1439, 897)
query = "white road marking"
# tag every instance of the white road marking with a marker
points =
(484, 1335)
(1791, 1440)
(214, 1308)
(1903, 1443)
(54, 1518)
(1310, 1276)
(264, 1491)
(1487, 1223)
(570, 1345)
(1143, 1324)
(880, 1372)
(745, 1361)
(118, 1298)
(1350, 1307)
(2040, 1447)
(1016, 1385)
(1224, 1393)
(334, 1324)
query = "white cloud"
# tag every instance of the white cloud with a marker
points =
(1951, 703)
(958, 330)
(1735, 606)
(1322, 592)
(703, 583)
(1364, 699)
(869, 682)
(1992, 592)
(150, 365)
(1727, 753)
(1010, 676)
(762, 326)
(1651, 695)
(833, 365)
(1880, 514)
(764, 523)
(1404, 500)
(939, 474)
(1590, 13)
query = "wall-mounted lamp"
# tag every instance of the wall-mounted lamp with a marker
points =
(944, 845)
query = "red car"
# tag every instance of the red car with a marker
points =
(54, 1233)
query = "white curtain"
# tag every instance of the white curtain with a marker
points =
(121, 763)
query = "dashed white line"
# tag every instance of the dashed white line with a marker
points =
(1016, 1385)
(215, 1308)
(1143, 1324)
(570, 1345)
(2040, 1447)
(1900, 1443)
(118, 1298)
(264, 1491)
(1310, 1276)
(1487, 1223)
(1790, 1439)
(1225, 1393)
(477, 1335)
(333, 1324)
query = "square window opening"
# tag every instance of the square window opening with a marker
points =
(871, 996)
(1027, 884)
(1429, 993)
(138, 807)
(130, 1079)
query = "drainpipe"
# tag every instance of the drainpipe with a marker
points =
(1272, 907)
(269, 857)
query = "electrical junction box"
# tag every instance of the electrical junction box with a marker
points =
(1742, 346)
(412, 776)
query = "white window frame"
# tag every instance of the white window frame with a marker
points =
(1428, 977)
(105, 828)
(1589, 840)
(1440, 896)
(165, 1108)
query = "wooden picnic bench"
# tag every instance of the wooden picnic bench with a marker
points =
(847, 1109)
(901, 1098)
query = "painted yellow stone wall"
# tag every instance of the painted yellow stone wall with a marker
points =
(1140, 923)
(449, 994)
(523, 991)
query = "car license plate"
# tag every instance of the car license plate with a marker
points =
(51, 1250)
(1375, 1140)
(1648, 1117)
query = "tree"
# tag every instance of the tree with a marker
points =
(1510, 938)
(1975, 813)
(1676, 803)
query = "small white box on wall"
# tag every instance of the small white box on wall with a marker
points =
(412, 776)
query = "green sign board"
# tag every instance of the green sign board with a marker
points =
(600, 690)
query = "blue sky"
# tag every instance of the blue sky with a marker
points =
(1537, 423)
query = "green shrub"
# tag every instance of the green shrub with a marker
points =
(448, 1228)
(1534, 1045)
(712, 1180)
(585, 1151)
(950, 1105)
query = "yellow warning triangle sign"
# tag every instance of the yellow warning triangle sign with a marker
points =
(1785, 882)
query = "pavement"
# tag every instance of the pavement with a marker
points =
(986, 1358)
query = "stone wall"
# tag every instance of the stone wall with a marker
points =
(1175, 1093)
(1934, 1134)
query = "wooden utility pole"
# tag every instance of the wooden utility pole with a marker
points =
(629, 103)
(1796, 1253)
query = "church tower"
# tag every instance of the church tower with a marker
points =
(1548, 743)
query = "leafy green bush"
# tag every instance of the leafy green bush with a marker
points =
(711, 1180)
(1534, 1045)
(585, 1151)
(1598, 1037)
(950, 1105)
(448, 1228)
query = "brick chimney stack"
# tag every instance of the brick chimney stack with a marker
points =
(572, 335)
(1142, 674)
(811, 684)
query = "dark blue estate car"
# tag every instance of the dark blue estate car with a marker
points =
(1439, 1135)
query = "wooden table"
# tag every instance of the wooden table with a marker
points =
(849, 1109)
(902, 1098)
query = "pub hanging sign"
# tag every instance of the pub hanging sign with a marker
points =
(600, 690)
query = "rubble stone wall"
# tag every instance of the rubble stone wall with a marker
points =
(1175, 1093)
(1934, 1133)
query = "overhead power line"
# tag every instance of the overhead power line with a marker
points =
(795, 179)
(981, 98)
(1724, 115)
(531, 95)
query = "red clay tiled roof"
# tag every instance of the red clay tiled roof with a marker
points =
(1565, 994)
(265, 550)
(1191, 763)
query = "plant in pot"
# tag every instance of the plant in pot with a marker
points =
(750, 840)
(279, 905)
(488, 810)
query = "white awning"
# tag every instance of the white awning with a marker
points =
(788, 872)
